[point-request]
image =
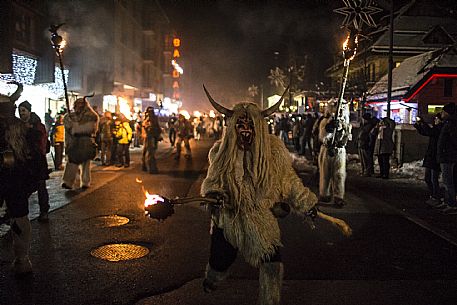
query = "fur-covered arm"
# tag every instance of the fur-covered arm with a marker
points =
(299, 197)
(211, 184)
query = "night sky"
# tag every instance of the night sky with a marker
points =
(230, 45)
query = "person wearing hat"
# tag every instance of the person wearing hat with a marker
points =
(39, 141)
(17, 180)
(81, 126)
(364, 145)
(447, 156)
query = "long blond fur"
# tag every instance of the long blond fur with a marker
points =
(248, 178)
(15, 135)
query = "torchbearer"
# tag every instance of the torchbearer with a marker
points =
(249, 172)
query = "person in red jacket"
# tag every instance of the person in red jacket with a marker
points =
(40, 141)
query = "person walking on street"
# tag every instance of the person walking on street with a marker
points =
(151, 136)
(334, 133)
(184, 132)
(384, 146)
(432, 167)
(123, 133)
(106, 138)
(447, 156)
(171, 124)
(39, 140)
(81, 126)
(57, 136)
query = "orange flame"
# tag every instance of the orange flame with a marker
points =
(152, 199)
(138, 180)
(345, 43)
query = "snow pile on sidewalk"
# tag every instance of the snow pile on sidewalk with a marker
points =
(410, 170)
(301, 164)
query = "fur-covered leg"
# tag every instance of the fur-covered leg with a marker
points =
(21, 231)
(270, 283)
(212, 277)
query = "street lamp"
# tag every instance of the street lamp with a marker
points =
(58, 43)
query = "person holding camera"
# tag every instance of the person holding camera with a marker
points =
(432, 167)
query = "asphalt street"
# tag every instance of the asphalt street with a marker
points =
(401, 251)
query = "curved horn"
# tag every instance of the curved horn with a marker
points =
(15, 96)
(269, 111)
(218, 107)
(90, 95)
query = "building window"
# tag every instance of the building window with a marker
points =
(448, 82)
(23, 28)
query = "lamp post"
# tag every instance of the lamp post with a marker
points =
(58, 44)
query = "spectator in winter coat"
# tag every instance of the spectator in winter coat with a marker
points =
(384, 145)
(57, 136)
(447, 156)
(123, 133)
(363, 145)
(106, 138)
(432, 167)
(40, 141)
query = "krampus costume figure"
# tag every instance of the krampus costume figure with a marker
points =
(18, 178)
(249, 171)
(80, 128)
(332, 165)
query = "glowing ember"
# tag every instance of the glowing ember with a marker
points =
(152, 199)
(139, 180)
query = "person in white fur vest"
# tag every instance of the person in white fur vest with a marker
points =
(250, 171)
(332, 165)
(80, 128)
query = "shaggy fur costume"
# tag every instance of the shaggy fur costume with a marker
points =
(332, 169)
(254, 180)
(83, 125)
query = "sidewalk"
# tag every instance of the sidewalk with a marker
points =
(59, 198)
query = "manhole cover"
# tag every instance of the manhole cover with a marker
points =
(111, 221)
(119, 252)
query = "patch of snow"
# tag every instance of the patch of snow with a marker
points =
(4, 229)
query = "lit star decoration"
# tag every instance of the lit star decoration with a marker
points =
(358, 12)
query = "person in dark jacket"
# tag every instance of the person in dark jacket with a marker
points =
(18, 178)
(384, 146)
(39, 140)
(364, 146)
(447, 156)
(432, 167)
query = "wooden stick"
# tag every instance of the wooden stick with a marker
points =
(341, 224)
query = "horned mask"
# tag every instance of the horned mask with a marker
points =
(244, 125)
(7, 106)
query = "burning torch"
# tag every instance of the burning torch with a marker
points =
(160, 208)
(58, 43)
